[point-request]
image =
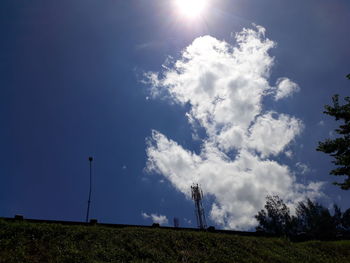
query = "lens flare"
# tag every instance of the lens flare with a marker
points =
(191, 8)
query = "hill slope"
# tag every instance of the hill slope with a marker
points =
(34, 242)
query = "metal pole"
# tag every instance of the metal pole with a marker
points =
(89, 201)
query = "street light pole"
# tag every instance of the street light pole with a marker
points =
(89, 201)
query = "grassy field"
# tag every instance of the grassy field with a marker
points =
(34, 242)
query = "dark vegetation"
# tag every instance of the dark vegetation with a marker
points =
(312, 220)
(39, 242)
(339, 148)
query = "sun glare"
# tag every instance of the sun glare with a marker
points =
(191, 8)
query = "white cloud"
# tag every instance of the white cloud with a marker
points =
(285, 88)
(145, 215)
(302, 168)
(224, 86)
(289, 154)
(321, 123)
(270, 135)
(149, 45)
(188, 221)
(160, 219)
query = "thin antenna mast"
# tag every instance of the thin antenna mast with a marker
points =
(197, 196)
(89, 201)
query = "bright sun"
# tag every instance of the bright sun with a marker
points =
(191, 8)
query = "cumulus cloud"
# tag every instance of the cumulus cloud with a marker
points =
(302, 168)
(321, 123)
(270, 135)
(285, 88)
(224, 86)
(289, 154)
(160, 219)
(188, 221)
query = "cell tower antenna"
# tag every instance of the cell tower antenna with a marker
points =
(197, 196)
(89, 201)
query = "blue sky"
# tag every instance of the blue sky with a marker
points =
(73, 76)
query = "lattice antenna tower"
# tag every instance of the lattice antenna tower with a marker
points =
(197, 196)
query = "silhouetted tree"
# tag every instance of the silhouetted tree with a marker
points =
(346, 220)
(275, 219)
(312, 220)
(316, 220)
(339, 148)
(338, 219)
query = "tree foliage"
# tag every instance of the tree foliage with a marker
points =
(346, 220)
(316, 221)
(339, 148)
(276, 218)
(312, 220)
